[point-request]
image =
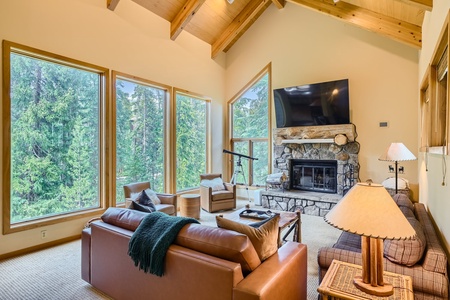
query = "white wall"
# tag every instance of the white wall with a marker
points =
(130, 40)
(432, 192)
(305, 46)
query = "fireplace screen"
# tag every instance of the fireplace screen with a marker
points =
(314, 175)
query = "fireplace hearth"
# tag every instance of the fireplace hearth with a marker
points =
(313, 175)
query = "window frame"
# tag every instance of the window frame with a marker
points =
(104, 143)
(435, 126)
(149, 83)
(267, 70)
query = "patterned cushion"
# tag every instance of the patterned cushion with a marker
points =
(403, 200)
(407, 252)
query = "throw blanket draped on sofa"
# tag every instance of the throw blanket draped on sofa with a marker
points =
(149, 243)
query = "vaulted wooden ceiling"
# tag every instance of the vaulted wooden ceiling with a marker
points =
(220, 23)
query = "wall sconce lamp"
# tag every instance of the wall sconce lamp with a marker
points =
(369, 211)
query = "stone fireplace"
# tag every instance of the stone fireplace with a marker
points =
(295, 144)
(321, 163)
(313, 175)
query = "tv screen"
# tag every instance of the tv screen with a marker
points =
(324, 103)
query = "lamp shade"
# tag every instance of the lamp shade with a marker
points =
(397, 152)
(368, 210)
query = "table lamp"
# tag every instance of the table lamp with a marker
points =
(397, 152)
(369, 211)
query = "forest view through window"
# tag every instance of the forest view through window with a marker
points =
(140, 112)
(250, 119)
(191, 140)
(54, 138)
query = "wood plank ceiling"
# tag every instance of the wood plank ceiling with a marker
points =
(220, 23)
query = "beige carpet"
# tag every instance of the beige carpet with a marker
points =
(55, 273)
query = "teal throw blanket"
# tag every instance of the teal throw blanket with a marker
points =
(149, 243)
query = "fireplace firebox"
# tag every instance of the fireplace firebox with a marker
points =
(313, 175)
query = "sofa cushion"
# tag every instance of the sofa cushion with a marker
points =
(264, 238)
(124, 218)
(403, 200)
(221, 195)
(221, 243)
(348, 241)
(216, 184)
(150, 193)
(407, 252)
(143, 208)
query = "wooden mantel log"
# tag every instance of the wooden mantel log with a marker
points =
(339, 134)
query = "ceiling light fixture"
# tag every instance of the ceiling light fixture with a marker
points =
(230, 1)
(335, 1)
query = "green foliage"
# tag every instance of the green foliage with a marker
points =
(250, 120)
(54, 134)
(139, 135)
(191, 141)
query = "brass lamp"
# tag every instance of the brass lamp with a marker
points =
(369, 211)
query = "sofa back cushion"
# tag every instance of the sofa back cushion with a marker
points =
(122, 217)
(407, 252)
(221, 243)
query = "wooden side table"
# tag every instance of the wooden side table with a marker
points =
(190, 206)
(338, 284)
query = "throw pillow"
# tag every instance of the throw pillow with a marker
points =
(136, 206)
(216, 184)
(145, 200)
(407, 252)
(152, 195)
(263, 238)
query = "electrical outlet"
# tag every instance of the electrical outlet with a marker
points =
(43, 234)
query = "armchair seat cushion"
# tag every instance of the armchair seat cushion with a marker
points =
(166, 208)
(221, 195)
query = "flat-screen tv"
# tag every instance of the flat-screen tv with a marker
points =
(324, 103)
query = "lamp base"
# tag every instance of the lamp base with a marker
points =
(380, 291)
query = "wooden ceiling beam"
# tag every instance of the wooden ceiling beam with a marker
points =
(183, 17)
(384, 25)
(422, 4)
(253, 8)
(279, 3)
(111, 4)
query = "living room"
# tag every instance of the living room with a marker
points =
(300, 45)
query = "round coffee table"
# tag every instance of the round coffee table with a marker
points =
(190, 206)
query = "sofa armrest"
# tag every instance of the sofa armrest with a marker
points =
(86, 255)
(281, 276)
(230, 187)
(168, 199)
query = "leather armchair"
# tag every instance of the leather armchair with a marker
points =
(168, 201)
(212, 200)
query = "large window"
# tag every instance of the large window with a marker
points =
(250, 131)
(140, 119)
(192, 144)
(434, 99)
(52, 112)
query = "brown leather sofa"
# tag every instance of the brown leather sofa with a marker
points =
(204, 263)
